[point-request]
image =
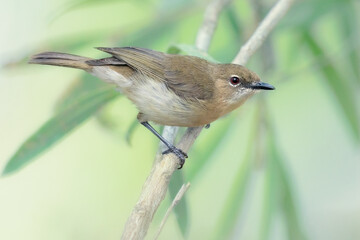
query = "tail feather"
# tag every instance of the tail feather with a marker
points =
(60, 59)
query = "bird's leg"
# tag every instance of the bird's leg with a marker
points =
(207, 126)
(171, 148)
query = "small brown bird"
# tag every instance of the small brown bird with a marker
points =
(168, 89)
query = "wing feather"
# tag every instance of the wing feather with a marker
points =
(187, 76)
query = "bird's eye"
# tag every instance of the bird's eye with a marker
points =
(234, 80)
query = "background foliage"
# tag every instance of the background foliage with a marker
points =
(283, 166)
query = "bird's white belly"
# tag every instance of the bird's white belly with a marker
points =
(158, 103)
(154, 100)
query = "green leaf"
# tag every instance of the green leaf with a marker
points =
(351, 34)
(131, 130)
(190, 50)
(80, 88)
(74, 5)
(271, 191)
(235, 25)
(166, 6)
(164, 24)
(343, 93)
(213, 143)
(286, 198)
(181, 209)
(235, 200)
(305, 13)
(58, 126)
(149, 35)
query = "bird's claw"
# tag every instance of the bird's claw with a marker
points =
(179, 153)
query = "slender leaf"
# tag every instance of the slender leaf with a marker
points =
(170, 5)
(181, 209)
(270, 199)
(162, 25)
(235, 199)
(351, 34)
(148, 35)
(287, 202)
(234, 21)
(190, 50)
(131, 130)
(344, 94)
(58, 126)
(213, 143)
(74, 5)
(80, 88)
(307, 12)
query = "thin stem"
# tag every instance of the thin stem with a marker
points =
(262, 31)
(176, 200)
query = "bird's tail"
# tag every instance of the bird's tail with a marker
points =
(60, 59)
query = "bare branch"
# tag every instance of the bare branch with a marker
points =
(209, 25)
(169, 133)
(176, 200)
(263, 30)
(152, 194)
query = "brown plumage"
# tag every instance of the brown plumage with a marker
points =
(168, 89)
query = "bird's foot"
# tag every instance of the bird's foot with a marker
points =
(179, 153)
(207, 126)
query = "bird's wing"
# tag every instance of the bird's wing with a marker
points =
(106, 62)
(186, 76)
(189, 77)
(145, 61)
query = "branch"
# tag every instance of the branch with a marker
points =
(156, 185)
(263, 30)
(207, 29)
(176, 200)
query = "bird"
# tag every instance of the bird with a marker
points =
(167, 89)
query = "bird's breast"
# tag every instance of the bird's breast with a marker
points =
(159, 104)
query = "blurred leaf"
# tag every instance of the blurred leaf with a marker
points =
(286, 198)
(148, 35)
(181, 209)
(234, 21)
(74, 43)
(76, 4)
(80, 88)
(344, 94)
(305, 13)
(163, 24)
(166, 6)
(235, 199)
(58, 126)
(63, 45)
(351, 35)
(213, 143)
(270, 200)
(131, 131)
(190, 50)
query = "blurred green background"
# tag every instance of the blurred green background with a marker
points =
(286, 165)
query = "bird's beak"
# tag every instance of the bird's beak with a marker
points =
(262, 86)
